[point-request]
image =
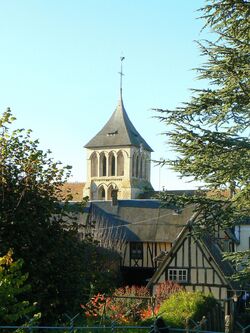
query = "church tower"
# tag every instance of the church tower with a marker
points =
(118, 158)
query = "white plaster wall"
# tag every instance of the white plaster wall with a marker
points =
(242, 233)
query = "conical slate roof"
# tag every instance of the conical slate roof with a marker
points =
(118, 131)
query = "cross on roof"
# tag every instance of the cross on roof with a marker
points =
(121, 74)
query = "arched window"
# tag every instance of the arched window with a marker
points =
(110, 189)
(94, 165)
(145, 168)
(120, 164)
(101, 193)
(111, 164)
(134, 165)
(103, 165)
(137, 167)
(140, 167)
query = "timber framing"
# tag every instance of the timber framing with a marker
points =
(196, 262)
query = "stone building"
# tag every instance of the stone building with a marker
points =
(118, 158)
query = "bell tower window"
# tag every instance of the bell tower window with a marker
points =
(137, 167)
(103, 165)
(120, 164)
(140, 167)
(94, 165)
(111, 164)
(110, 189)
(101, 193)
(133, 165)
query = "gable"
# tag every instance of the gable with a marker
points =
(196, 262)
(194, 257)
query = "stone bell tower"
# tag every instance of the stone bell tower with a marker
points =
(118, 158)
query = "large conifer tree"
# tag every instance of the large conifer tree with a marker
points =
(211, 132)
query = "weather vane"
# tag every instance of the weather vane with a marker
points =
(121, 73)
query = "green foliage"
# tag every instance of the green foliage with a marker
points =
(147, 192)
(182, 306)
(102, 269)
(241, 260)
(13, 305)
(40, 228)
(210, 133)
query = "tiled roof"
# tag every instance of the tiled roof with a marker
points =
(217, 254)
(74, 189)
(142, 220)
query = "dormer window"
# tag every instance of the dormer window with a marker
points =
(112, 133)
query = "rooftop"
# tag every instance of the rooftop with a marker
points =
(118, 132)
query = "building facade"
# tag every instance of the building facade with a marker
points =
(195, 261)
(118, 158)
(141, 231)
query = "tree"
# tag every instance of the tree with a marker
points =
(13, 284)
(31, 219)
(39, 227)
(210, 133)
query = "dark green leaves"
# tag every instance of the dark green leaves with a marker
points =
(210, 133)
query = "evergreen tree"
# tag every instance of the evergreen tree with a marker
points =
(210, 133)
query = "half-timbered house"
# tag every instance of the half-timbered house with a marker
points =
(142, 231)
(196, 262)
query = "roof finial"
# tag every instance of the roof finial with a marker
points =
(121, 75)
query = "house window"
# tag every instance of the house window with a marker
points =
(178, 275)
(136, 250)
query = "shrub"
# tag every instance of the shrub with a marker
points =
(127, 305)
(182, 306)
(94, 309)
(164, 290)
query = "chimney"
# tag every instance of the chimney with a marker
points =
(114, 197)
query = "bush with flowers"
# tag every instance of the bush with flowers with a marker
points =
(128, 305)
(164, 290)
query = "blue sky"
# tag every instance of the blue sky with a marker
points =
(60, 60)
